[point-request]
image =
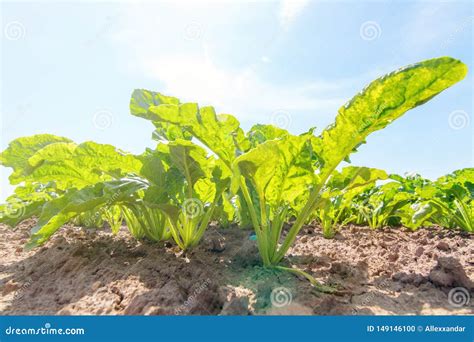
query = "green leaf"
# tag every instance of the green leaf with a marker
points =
(26, 202)
(70, 165)
(280, 170)
(352, 177)
(427, 191)
(221, 133)
(154, 168)
(15, 211)
(191, 160)
(383, 101)
(205, 190)
(59, 211)
(181, 170)
(142, 100)
(418, 214)
(463, 177)
(258, 134)
(20, 150)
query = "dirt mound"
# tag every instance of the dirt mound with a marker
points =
(388, 271)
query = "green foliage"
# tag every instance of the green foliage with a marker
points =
(142, 100)
(382, 206)
(205, 168)
(414, 202)
(260, 133)
(20, 150)
(60, 210)
(379, 104)
(70, 165)
(448, 201)
(49, 168)
(221, 133)
(187, 186)
(145, 222)
(338, 195)
(383, 101)
(281, 172)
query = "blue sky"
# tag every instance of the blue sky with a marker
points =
(68, 68)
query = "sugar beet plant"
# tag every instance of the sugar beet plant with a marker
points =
(284, 174)
(414, 202)
(206, 168)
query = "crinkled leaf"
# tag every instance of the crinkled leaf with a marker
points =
(153, 167)
(20, 150)
(221, 133)
(352, 177)
(143, 99)
(191, 160)
(280, 170)
(258, 134)
(15, 211)
(205, 190)
(460, 182)
(383, 101)
(70, 165)
(59, 211)
(26, 202)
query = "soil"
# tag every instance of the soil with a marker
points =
(373, 272)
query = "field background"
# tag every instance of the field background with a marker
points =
(68, 68)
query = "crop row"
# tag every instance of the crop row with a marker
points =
(206, 168)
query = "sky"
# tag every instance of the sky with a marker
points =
(69, 68)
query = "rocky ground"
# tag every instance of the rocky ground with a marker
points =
(387, 271)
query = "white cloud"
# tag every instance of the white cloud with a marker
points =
(153, 43)
(241, 91)
(289, 10)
